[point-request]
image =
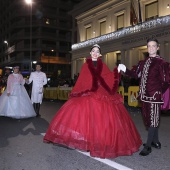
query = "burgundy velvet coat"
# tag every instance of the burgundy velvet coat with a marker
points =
(154, 74)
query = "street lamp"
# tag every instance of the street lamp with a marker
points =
(29, 2)
(34, 62)
(6, 42)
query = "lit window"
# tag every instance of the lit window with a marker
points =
(151, 11)
(120, 21)
(103, 28)
(88, 33)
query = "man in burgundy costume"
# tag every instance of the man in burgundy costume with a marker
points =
(154, 74)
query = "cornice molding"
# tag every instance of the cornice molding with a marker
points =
(158, 23)
(108, 5)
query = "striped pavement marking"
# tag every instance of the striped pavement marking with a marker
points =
(107, 162)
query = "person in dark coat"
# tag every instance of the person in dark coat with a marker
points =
(154, 74)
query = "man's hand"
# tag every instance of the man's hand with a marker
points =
(121, 67)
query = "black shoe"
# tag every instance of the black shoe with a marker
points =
(38, 115)
(146, 151)
(156, 145)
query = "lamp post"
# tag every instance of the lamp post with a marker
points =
(6, 42)
(34, 62)
(29, 2)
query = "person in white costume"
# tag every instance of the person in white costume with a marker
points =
(39, 79)
(15, 102)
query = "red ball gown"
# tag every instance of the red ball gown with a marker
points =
(94, 119)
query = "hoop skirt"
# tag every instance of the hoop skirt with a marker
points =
(18, 105)
(99, 125)
(96, 122)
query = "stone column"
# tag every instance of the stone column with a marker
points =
(128, 58)
(167, 51)
(168, 55)
(162, 49)
(123, 56)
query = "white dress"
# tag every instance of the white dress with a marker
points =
(18, 105)
(39, 79)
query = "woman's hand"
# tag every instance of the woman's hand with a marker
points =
(26, 80)
(8, 94)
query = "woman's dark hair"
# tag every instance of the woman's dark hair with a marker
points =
(96, 45)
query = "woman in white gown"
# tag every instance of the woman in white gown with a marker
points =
(15, 102)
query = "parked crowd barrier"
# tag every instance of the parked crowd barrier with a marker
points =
(2, 89)
(51, 93)
(132, 96)
(62, 93)
(121, 91)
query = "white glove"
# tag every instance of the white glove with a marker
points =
(121, 67)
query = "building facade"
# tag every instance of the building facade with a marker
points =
(121, 28)
(40, 31)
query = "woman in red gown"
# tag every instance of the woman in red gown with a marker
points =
(94, 119)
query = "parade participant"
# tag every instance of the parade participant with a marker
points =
(154, 77)
(4, 79)
(15, 102)
(5, 76)
(94, 119)
(39, 79)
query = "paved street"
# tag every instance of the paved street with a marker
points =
(22, 147)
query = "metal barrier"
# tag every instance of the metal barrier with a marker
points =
(57, 93)
(2, 89)
(121, 91)
(51, 93)
(132, 96)
(62, 93)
